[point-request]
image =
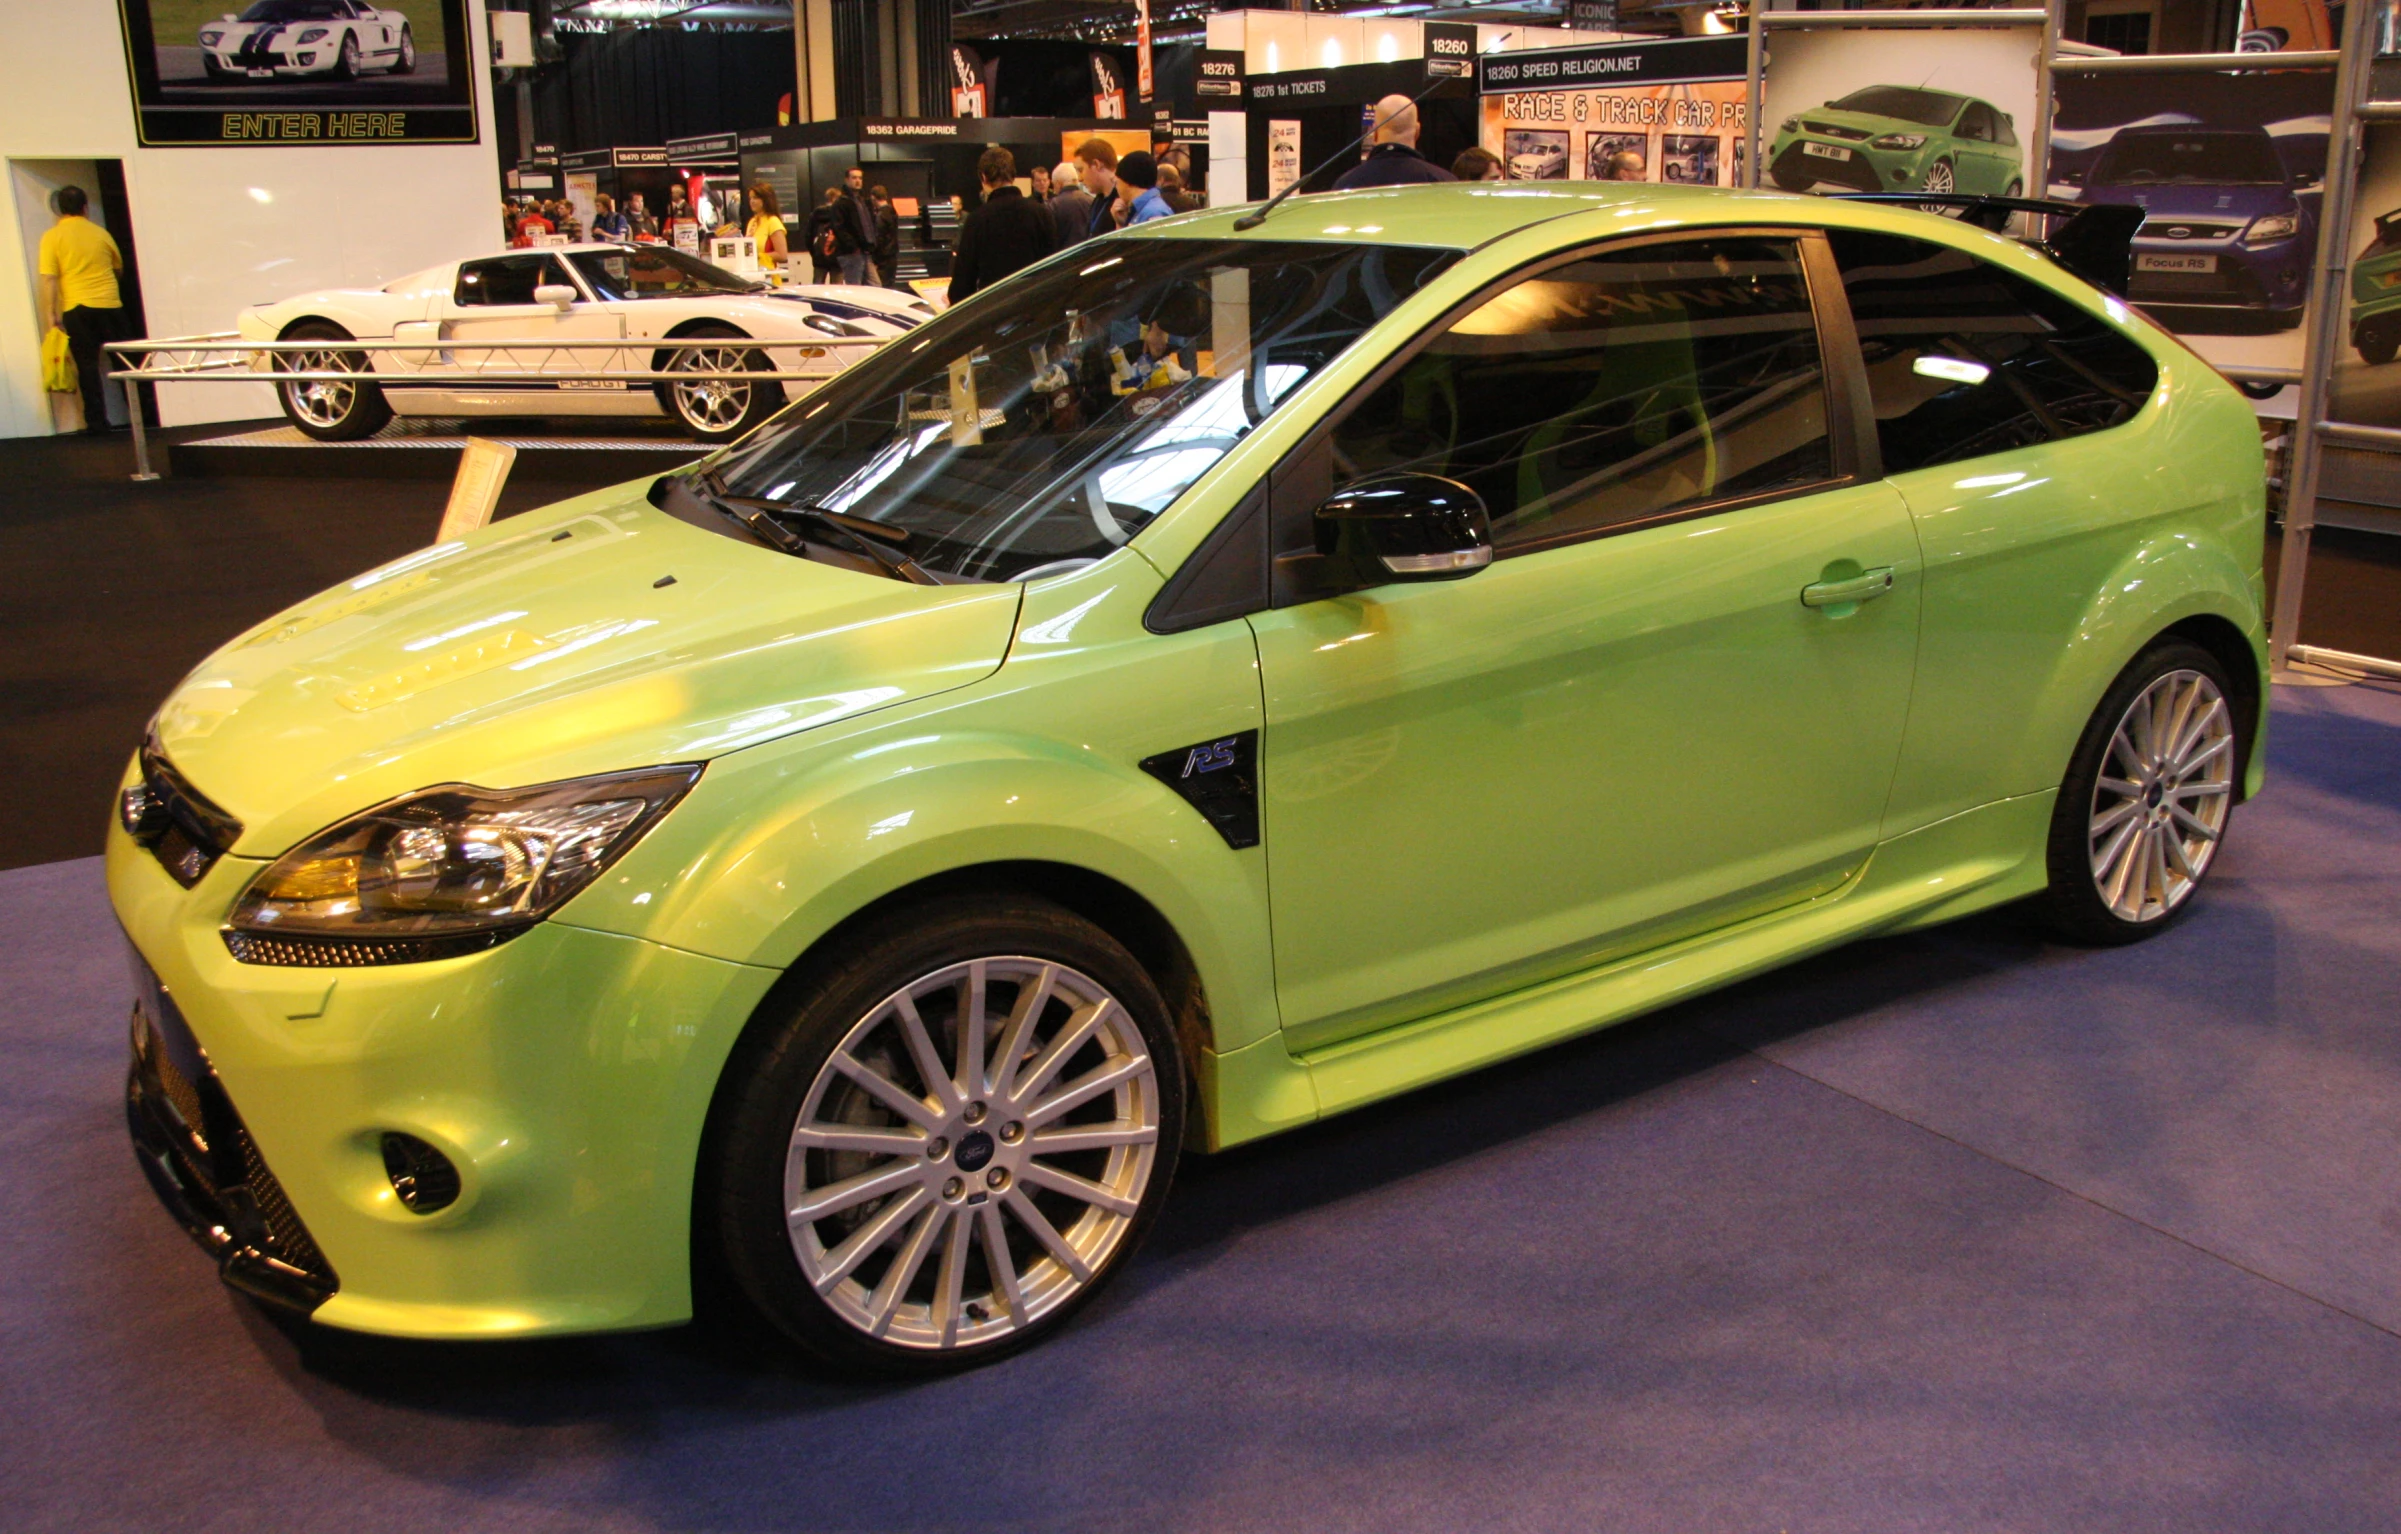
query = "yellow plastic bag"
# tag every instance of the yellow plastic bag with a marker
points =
(58, 363)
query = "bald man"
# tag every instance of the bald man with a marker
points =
(1394, 160)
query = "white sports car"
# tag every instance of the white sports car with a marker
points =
(290, 39)
(530, 298)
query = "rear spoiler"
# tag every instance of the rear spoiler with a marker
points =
(2094, 240)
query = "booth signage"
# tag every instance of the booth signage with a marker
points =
(907, 127)
(379, 76)
(705, 146)
(1606, 64)
(1218, 78)
(1293, 87)
(1450, 50)
(1592, 15)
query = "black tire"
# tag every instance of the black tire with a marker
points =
(743, 1186)
(2074, 904)
(346, 66)
(2016, 189)
(214, 72)
(2378, 344)
(326, 413)
(720, 420)
(406, 63)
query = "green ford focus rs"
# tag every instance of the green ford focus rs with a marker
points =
(1217, 678)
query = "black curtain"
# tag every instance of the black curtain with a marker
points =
(644, 86)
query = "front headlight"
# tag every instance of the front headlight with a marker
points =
(1790, 123)
(1897, 141)
(446, 871)
(834, 327)
(211, 39)
(2271, 227)
(312, 35)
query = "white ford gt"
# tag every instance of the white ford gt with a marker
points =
(292, 39)
(499, 314)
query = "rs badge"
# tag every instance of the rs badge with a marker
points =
(1219, 778)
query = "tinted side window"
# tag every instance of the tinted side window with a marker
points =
(1612, 391)
(1964, 358)
(508, 279)
(1976, 122)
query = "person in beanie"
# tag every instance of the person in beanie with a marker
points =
(1394, 161)
(1138, 181)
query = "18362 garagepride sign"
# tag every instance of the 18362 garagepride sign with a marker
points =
(301, 72)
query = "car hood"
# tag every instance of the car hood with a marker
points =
(2198, 201)
(1869, 123)
(551, 646)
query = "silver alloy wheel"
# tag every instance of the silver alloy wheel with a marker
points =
(1940, 179)
(712, 404)
(323, 403)
(2156, 823)
(973, 1153)
(408, 52)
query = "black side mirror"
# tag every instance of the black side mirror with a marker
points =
(1404, 527)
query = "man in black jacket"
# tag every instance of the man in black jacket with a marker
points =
(1394, 161)
(1005, 234)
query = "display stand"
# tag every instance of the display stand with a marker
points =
(2329, 308)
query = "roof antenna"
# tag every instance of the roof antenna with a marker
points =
(1254, 220)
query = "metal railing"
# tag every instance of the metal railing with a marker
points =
(440, 363)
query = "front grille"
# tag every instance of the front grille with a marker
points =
(1836, 130)
(201, 1161)
(182, 829)
(2180, 230)
(1795, 168)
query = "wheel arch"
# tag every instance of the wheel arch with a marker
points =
(289, 326)
(2233, 649)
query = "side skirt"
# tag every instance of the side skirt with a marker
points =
(1980, 858)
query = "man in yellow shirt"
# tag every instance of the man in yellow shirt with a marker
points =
(79, 266)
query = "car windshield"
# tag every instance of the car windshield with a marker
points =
(2189, 159)
(1041, 427)
(654, 271)
(296, 10)
(1932, 109)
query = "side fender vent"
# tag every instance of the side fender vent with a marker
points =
(1219, 778)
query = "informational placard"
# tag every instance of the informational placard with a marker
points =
(1450, 50)
(475, 493)
(319, 73)
(1283, 154)
(2228, 169)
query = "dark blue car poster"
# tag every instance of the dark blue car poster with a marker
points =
(2228, 170)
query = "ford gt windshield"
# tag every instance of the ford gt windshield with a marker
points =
(297, 10)
(1039, 428)
(654, 271)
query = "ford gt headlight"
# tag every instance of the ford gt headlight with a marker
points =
(834, 327)
(1898, 141)
(313, 35)
(2271, 227)
(447, 871)
(211, 39)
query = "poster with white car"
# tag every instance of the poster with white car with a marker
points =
(261, 73)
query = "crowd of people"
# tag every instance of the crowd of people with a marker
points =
(852, 235)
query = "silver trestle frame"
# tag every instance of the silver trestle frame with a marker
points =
(227, 358)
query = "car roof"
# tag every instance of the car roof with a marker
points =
(1462, 215)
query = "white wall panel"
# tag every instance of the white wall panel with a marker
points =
(221, 228)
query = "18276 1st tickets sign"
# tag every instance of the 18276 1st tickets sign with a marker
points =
(253, 73)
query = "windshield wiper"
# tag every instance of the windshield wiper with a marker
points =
(886, 545)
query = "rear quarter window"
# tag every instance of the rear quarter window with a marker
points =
(1965, 359)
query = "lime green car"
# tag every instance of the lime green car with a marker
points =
(1215, 679)
(1899, 138)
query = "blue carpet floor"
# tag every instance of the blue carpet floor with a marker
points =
(1959, 1231)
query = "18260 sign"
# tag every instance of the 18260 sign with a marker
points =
(314, 72)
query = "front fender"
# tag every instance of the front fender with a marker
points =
(1040, 763)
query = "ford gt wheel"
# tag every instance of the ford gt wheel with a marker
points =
(957, 1132)
(718, 409)
(329, 409)
(346, 67)
(408, 54)
(2147, 798)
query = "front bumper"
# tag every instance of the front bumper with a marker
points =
(1867, 170)
(566, 1074)
(2273, 278)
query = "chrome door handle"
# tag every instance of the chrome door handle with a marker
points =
(1848, 593)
